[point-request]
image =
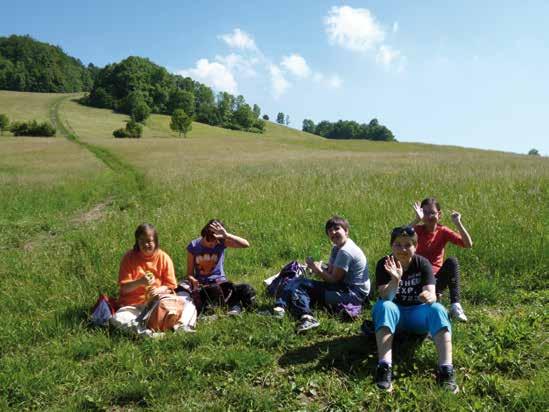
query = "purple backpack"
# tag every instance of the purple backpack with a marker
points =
(287, 273)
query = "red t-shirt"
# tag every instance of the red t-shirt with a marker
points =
(431, 244)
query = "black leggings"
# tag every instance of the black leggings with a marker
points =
(448, 275)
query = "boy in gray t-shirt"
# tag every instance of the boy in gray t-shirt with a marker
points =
(344, 281)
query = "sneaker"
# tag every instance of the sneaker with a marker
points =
(278, 312)
(306, 322)
(235, 310)
(446, 378)
(456, 311)
(383, 377)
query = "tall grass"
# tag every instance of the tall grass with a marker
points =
(276, 190)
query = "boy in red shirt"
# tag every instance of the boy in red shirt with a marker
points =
(432, 238)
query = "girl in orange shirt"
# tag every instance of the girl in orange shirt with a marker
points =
(145, 272)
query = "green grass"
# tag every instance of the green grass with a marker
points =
(276, 190)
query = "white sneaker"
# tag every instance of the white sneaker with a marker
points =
(279, 312)
(457, 312)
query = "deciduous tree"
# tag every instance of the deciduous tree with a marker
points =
(181, 122)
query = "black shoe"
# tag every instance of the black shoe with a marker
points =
(383, 377)
(447, 379)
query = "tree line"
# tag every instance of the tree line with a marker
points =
(136, 86)
(349, 129)
(32, 66)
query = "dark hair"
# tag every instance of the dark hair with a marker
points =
(337, 221)
(430, 201)
(407, 231)
(206, 232)
(141, 230)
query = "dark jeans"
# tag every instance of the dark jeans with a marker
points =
(448, 276)
(302, 293)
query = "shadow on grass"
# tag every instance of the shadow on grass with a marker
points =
(355, 355)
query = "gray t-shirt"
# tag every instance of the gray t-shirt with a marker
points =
(351, 259)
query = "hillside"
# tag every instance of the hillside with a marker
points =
(71, 203)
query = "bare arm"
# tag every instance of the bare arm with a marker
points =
(388, 291)
(190, 270)
(428, 295)
(456, 218)
(130, 286)
(332, 275)
(236, 241)
(230, 239)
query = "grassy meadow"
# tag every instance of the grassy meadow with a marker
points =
(70, 207)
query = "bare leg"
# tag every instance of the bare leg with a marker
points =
(443, 343)
(384, 340)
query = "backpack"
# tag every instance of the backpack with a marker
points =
(165, 313)
(103, 310)
(288, 272)
(213, 294)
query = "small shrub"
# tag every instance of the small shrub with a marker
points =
(120, 133)
(132, 130)
(32, 128)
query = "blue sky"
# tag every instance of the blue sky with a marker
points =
(464, 73)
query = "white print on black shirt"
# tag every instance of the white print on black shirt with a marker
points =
(409, 288)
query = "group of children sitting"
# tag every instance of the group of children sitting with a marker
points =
(409, 283)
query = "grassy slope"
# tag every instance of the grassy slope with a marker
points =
(277, 190)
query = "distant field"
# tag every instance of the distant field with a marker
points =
(71, 215)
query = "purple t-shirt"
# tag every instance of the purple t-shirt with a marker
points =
(208, 262)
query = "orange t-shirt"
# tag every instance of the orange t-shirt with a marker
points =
(431, 245)
(135, 264)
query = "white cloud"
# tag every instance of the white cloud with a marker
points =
(353, 29)
(333, 81)
(214, 74)
(239, 39)
(296, 65)
(387, 55)
(278, 81)
(240, 64)
(358, 30)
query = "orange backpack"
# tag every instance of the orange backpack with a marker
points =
(166, 313)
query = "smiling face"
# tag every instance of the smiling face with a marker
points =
(431, 214)
(338, 235)
(146, 243)
(404, 248)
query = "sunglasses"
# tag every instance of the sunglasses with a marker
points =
(403, 230)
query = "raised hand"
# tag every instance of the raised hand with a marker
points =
(393, 267)
(418, 210)
(218, 231)
(456, 217)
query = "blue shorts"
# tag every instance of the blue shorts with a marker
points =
(418, 319)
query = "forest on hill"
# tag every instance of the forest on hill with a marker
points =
(28, 65)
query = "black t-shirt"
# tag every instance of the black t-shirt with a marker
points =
(418, 274)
